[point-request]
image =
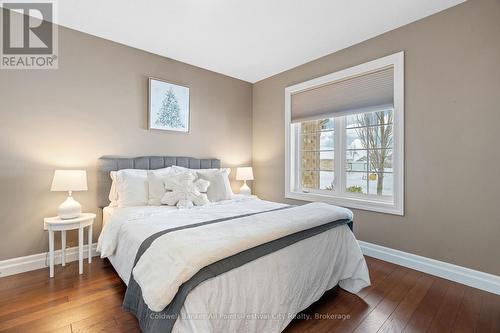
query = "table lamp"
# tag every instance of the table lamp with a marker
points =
(69, 180)
(244, 173)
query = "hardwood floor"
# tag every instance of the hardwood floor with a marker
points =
(399, 300)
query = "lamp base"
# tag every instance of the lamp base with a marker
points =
(69, 209)
(245, 190)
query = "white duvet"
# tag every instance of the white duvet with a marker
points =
(274, 287)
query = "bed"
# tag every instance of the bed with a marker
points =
(237, 265)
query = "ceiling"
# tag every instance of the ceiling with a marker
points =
(250, 40)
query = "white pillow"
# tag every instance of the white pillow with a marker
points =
(156, 189)
(113, 194)
(156, 182)
(220, 187)
(185, 191)
(132, 187)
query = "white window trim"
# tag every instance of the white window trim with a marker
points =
(291, 175)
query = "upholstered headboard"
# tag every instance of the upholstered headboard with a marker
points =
(109, 163)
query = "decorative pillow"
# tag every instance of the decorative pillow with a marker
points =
(185, 191)
(220, 187)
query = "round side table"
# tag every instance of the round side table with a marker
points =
(57, 224)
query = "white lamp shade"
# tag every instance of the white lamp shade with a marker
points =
(244, 173)
(69, 180)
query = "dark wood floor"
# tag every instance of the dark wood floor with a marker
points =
(399, 300)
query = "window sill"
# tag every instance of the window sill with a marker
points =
(357, 203)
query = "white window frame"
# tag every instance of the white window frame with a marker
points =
(341, 197)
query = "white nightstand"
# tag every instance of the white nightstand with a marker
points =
(57, 224)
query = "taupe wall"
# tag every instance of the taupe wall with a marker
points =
(452, 111)
(96, 104)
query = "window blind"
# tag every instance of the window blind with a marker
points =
(364, 93)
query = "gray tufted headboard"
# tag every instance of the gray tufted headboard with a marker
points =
(107, 164)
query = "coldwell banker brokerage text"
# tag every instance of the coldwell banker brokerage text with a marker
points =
(29, 37)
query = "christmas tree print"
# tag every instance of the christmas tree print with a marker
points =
(169, 113)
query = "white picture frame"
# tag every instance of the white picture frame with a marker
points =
(168, 106)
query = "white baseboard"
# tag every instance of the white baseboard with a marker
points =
(41, 260)
(467, 276)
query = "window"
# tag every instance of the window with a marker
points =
(345, 137)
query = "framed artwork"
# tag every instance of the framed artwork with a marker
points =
(168, 106)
